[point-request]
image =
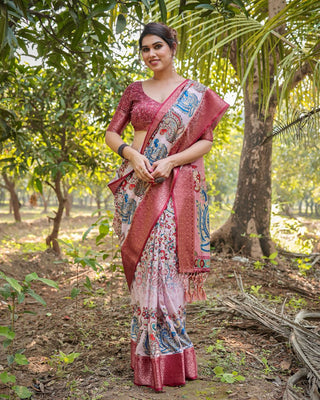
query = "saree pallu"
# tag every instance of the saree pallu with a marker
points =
(164, 238)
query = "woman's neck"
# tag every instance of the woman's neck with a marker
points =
(168, 75)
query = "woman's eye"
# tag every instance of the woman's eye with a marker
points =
(158, 46)
(145, 50)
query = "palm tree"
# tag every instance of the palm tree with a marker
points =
(272, 45)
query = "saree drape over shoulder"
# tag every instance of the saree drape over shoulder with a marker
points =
(164, 236)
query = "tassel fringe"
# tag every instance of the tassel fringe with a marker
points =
(193, 286)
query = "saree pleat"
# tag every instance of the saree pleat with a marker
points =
(161, 350)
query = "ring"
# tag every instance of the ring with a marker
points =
(159, 180)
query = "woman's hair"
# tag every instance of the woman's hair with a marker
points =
(169, 35)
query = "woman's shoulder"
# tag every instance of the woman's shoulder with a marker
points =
(133, 88)
(134, 85)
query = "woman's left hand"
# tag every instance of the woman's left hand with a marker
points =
(162, 169)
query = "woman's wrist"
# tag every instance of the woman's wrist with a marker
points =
(129, 152)
(173, 161)
(121, 148)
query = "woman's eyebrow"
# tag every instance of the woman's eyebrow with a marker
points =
(153, 44)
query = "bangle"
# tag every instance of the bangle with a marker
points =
(120, 149)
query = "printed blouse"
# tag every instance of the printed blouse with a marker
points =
(137, 107)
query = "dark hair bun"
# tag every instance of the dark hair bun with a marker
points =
(166, 33)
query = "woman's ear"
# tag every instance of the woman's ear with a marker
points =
(174, 49)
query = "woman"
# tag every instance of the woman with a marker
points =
(161, 207)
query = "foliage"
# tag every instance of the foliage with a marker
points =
(62, 32)
(227, 376)
(251, 30)
(16, 291)
(93, 259)
(61, 360)
(303, 265)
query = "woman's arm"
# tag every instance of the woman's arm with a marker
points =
(139, 162)
(163, 168)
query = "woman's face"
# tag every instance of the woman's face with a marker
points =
(156, 53)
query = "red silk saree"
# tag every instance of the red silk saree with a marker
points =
(164, 237)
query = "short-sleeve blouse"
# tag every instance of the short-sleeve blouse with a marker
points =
(137, 107)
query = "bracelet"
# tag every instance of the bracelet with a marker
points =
(120, 149)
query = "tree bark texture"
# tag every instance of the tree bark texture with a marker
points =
(51, 239)
(14, 201)
(248, 228)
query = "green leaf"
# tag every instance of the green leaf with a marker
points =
(163, 10)
(84, 236)
(21, 359)
(22, 391)
(20, 298)
(10, 359)
(138, 11)
(14, 284)
(75, 292)
(49, 282)
(78, 35)
(104, 229)
(121, 23)
(6, 343)
(273, 255)
(39, 185)
(31, 277)
(218, 370)
(6, 377)
(90, 262)
(100, 10)
(147, 5)
(68, 358)
(206, 6)
(7, 332)
(36, 296)
(66, 244)
(3, 23)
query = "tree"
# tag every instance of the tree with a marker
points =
(271, 49)
(59, 138)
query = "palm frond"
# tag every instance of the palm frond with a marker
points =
(302, 335)
(289, 41)
(302, 126)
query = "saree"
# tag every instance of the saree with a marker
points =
(164, 237)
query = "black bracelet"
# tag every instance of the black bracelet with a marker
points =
(120, 149)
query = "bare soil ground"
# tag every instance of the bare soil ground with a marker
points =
(97, 323)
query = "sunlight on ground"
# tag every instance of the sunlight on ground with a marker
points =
(29, 214)
(292, 234)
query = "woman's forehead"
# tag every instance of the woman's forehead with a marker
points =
(150, 40)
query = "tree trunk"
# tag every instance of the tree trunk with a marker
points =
(247, 230)
(51, 239)
(98, 201)
(45, 203)
(68, 204)
(14, 201)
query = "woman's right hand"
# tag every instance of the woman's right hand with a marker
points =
(140, 164)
